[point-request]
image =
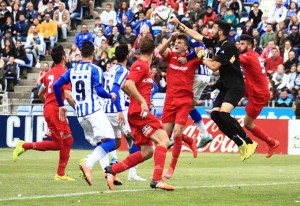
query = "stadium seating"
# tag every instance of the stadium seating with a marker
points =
(24, 110)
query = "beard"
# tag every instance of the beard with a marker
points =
(216, 37)
(243, 51)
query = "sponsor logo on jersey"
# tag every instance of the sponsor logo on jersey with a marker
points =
(147, 129)
(178, 67)
(148, 80)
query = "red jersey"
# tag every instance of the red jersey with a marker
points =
(180, 77)
(49, 79)
(255, 73)
(140, 73)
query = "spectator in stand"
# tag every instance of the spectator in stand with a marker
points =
(281, 26)
(108, 14)
(129, 37)
(124, 10)
(297, 106)
(99, 38)
(214, 76)
(15, 13)
(233, 35)
(222, 14)
(134, 5)
(284, 100)
(150, 12)
(137, 55)
(45, 69)
(172, 11)
(285, 51)
(30, 13)
(205, 33)
(280, 38)
(294, 37)
(256, 47)
(98, 26)
(209, 15)
(74, 7)
(72, 53)
(273, 62)
(248, 29)
(112, 51)
(103, 60)
(4, 13)
(34, 2)
(235, 6)
(180, 7)
(8, 26)
(278, 13)
(8, 36)
(200, 25)
(123, 24)
(144, 32)
(34, 45)
(73, 64)
(90, 4)
(222, 4)
(83, 36)
(109, 29)
(138, 24)
(255, 14)
(296, 83)
(104, 47)
(212, 3)
(280, 78)
(291, 78)
(8, 50)
(268, 36)
(62, 19)
(42, 6)
(293, 9)
(50, 9)
(49, 30)
(160, 36)
(197, 13)
(230, 18)
(155, 76)
(262, 26)
(20, 54)
(237, 44)
(136, 14)
(293, 22)
(210, 26)
(291, 60)
(10, 69)
(1, 74)
(267, 52)
(115, 36)
(37, 24)
(255, 35)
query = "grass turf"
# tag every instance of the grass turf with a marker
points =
(210, 179)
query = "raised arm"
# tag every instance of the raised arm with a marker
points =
(163, 48)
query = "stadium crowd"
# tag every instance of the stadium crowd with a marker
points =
(28, 25)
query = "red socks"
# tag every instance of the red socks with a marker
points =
(187, 139)
(176, 151)
(45, 145)
(258, 132)
(159, 162)
(64, 155)
(130, 161)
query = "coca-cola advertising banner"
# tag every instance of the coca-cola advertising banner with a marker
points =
(33, 128)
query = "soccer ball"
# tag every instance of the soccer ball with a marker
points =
(162, 14)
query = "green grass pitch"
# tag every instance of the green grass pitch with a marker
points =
(210, 179)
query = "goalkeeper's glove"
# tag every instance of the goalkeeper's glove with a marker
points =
(177, 23)
(200, 51)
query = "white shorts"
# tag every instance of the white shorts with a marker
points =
(96, 127)
(113, 118)
(200, 82)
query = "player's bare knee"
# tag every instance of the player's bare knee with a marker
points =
(147, 152)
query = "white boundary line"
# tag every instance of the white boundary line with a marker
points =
(141, 190)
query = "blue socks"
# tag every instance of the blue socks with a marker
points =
(196, 116)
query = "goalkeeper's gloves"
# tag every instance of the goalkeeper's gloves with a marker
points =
(200, 51)
(177, 23)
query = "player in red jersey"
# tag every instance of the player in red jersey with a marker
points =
(257, 90)
(179, 95)
(145, 127)
(60, 131)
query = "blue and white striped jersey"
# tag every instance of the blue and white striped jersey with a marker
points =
(201, 69)
(115, 75)
(84, 78)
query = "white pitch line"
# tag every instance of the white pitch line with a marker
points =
(141, 190)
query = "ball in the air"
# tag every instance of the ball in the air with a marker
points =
(162, 14)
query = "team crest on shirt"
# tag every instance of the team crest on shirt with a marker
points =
(147, 129)
(138, 68)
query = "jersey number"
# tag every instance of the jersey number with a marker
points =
(80, 88)
(51, 79)
(106, 86)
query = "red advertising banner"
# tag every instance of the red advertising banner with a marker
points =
(276, 128)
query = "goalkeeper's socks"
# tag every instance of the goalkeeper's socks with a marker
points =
(159, 162)
(64, 155)
(43, 146)
(130, 161)
(176, 151)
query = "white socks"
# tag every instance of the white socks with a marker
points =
(202, 129)
(97, 155)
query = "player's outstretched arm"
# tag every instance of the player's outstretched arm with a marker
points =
(163, 48)
(132, 90)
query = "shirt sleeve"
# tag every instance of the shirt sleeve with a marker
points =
(167, 58)
(136, 74)
(67, 86)
(120, 76)
(97, 76)
(243, 59)
(208, 42)
(225, 55)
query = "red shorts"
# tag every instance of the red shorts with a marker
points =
(177, 110)
(57, 127)
(255, 105)
(142, 129)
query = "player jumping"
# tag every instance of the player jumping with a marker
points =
(60, 132)
(257, 90)
(145, 127)
(87, 86)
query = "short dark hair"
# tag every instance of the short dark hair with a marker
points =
(147, 45)
(209, 7)
(97, 18)
(184, 38)
(153, 2)
(57, 54)
(121, 52)
(255, 3)
(223, 26)
(87, 49)
(47, 13)
(128, 25)
(113, 59)
(270, 24)
(274, 49)
(249, 39)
